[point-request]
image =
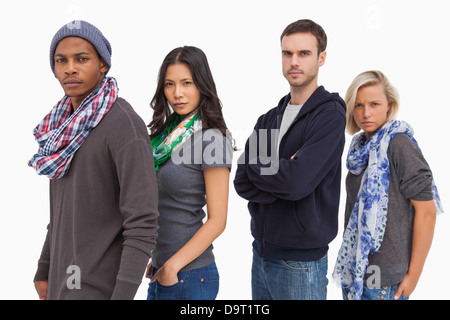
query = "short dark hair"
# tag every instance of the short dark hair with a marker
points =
(306, 25)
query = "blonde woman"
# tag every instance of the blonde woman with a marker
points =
(391, 197)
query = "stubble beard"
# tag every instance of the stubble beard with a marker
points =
(302, 83)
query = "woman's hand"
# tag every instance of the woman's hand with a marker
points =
(165, 276)
(406, 287)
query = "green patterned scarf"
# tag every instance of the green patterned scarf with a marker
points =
(174, 135)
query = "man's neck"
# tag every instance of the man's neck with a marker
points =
(299, 95)
(75, 106)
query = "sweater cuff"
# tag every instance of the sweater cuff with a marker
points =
(124, 290)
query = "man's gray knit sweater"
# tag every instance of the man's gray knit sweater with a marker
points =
(103, 213)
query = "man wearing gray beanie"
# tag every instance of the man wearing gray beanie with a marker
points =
(87, 31)
(96, 152)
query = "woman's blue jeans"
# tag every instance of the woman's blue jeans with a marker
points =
(384, 293)
(289, 280)
(196, 284)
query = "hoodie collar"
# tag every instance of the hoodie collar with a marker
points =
(319, 96)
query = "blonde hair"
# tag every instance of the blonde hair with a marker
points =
(367, 79)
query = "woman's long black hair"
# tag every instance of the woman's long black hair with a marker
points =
(209, 109)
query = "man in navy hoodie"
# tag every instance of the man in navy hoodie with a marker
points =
(290, 172)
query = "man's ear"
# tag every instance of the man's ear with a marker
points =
(103, 66)
(322, 58)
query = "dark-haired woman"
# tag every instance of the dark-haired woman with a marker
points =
(192, 156)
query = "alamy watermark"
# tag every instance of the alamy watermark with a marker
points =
(373, 21)
(208, 147)
(374, 280)
(73, 12)
(74, 280)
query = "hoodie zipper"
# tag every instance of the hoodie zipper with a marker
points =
(297, 119)
(266, 211)
(266, 214)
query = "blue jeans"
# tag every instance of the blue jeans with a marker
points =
(289, 280)
(384, 293)
(196, 284)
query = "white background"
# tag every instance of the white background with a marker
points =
(407, 40)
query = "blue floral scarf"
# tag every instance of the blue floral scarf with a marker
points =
(365, 230)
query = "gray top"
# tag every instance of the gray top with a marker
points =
(410, 178)
(289, 115)
(103, 213)
(182, 194)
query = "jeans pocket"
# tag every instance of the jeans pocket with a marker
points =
(308, 278)
(172, 292)
(208, 278)
(296, 265)
(210, 289)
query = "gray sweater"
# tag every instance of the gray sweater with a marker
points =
(103, 213)
(410, 178)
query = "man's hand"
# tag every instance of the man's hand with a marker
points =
(41, 288)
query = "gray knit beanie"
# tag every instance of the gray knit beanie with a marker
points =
(87, 31)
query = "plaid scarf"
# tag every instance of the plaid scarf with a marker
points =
(367, 223)
(61, 133)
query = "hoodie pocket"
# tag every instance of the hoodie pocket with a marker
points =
(284, 225)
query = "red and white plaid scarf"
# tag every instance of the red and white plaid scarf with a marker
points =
(61, 133)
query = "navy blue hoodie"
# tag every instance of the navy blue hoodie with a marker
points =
(294, 207)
